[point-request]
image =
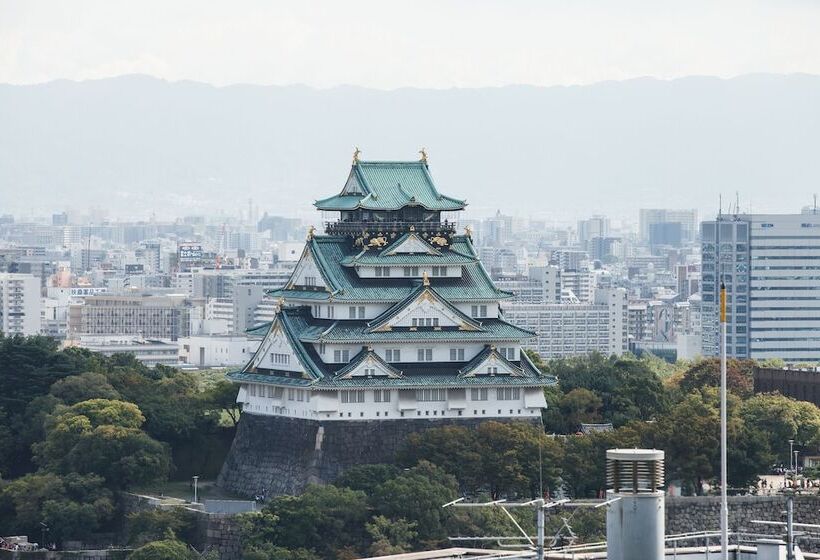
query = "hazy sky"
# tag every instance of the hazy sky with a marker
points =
(421, 43)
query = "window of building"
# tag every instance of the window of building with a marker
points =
(281, 359)
(351, 397)
(310, 280)
(478, 394)
(330, 312)
(341, 356)
(392, 355)
(252, 390)
(361, 312)
(300, 395)
(439, 271)
(382, 271)
(508, 393)
(411, 271)
(381, 395)
(507, 352)
(456, 354)
(425, 354)
(351, 312)
(431, 395)
(369, 372)
(479, 310)
(492, 370)
(291, 394)
(317, 311)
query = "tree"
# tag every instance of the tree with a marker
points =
(628, 388)
(579, 406)
(390, 536)
(90, 385)
(222, 396)
(706, 373)
(453, 448)
(151, 525)
(167, 549)
(73, 506)
(325, 519)
(584, 463)
(104, 437)
(779, 419)
(417, 495)
(366, 478)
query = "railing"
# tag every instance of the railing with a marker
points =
(373, 228)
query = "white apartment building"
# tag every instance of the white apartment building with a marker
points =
(20, 304)
(575, 329)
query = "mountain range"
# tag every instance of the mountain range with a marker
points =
(137, 145)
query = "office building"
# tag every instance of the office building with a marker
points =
(20, 304)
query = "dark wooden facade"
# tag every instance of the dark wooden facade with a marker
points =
(799, 384)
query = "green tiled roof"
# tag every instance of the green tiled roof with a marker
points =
(345, 285)
(391, 185)
(362, 356)
(398, 307)
(456, 254)
(293, 325)
(357, 332)
(239, 376)
(483, 355)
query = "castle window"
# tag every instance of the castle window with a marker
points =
(369, 372)
(330, 312)
(350, 397)
(392, 355)
(381, 396)
(456, 354)
(310, 280)
(278, 392)
(282, 359)
(478, 394)
(300, 395)
(317, 311)
(431, 395)
(425, 355)
(361, 312)
(508, 353)
(492, 370)
(291, 394)
(439, 271)
(341, 356)
(351, 312)
(411, 271)
(382, 271)
(252, 390)
(479, 311)
(509, 393)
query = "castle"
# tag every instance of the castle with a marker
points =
(388, 324)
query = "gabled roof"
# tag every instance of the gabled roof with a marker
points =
(367, 357)
(390, 185)
(410, 243)
(423, 292)
(489, 355)
(357, 332)
(329, 252)
(285, 323)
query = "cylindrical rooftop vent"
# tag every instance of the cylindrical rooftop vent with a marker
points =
(635, 522)
(634, 471)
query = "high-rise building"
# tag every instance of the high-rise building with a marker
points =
(688, 220)
(769, 264)
(20, 304)
(164, 317)
(596, 226)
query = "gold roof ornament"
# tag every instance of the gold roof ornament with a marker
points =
(311, 232)
(356, 154)
(280, 302)
(425, 279)
(468, 231)
(423, 153)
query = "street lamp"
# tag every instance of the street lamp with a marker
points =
(791, 453)
(795, 461)
(196, 478)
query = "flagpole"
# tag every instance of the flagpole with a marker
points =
(724, 505)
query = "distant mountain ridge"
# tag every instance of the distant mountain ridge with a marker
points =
(138, 144)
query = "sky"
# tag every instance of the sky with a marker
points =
(387, 45)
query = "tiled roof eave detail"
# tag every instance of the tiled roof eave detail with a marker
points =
(410, 382)
(341, 295)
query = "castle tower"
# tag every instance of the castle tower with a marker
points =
(388, 325)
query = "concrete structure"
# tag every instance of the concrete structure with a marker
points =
(216, 351)
(688, 220)
(769, 264)
(564, 330)
(143, 316)
(149, 352)
(20, 304)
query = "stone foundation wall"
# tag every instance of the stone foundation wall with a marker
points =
(702, 513)
(275, 455)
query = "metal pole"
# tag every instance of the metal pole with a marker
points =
(539, 539)
(724, 502)
(791, 454)
(196, 478)
(790, 527)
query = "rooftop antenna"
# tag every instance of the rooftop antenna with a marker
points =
(815, 203)
(720, 206)
(737, 203)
